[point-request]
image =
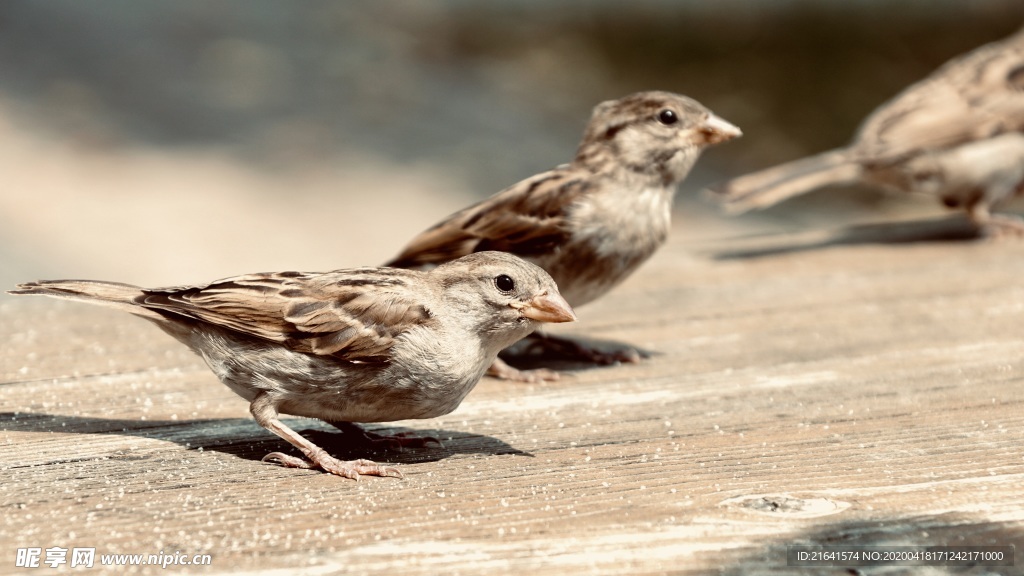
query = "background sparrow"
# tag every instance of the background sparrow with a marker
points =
(929, 138)
(358, 345)
(592, 222)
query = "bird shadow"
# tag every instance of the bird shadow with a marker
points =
(244, 438)
(960, 531)
(946, 229)
(563, 353)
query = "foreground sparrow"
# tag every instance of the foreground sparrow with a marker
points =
(592, 222)
(930, 138)
(358, 345)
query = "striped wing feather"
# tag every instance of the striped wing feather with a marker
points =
(525, 219)
(353, 315)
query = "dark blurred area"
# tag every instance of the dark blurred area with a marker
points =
(146, 139)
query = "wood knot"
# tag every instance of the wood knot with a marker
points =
(786, 505)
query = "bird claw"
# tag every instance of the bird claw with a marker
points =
(502, 371)
(287, 461)
(351, 469)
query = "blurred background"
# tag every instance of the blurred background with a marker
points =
(173, 142)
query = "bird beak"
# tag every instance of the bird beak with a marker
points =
(716, 130)
(547, 308)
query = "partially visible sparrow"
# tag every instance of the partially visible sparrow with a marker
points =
(592, 222)
(972, 98)
(358, 345)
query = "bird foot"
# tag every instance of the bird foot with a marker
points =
(351, 469)
(502, 371)
(997, 226)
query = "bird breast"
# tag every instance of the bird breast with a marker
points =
(612, 233)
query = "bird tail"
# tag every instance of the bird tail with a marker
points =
(762, 189)
(110, 294)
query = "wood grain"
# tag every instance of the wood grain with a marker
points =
(832, 388)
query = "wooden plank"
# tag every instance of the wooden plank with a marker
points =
(801, 390)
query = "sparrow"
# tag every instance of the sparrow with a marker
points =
(354, 345)
(924, 140)
(592, 222)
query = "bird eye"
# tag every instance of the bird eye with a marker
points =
(505, 283)
(667, 117)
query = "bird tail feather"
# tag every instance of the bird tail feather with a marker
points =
(767, 187)
(110, 294)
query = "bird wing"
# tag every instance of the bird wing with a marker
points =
(525, 219)
(977, 95)
(354, 315)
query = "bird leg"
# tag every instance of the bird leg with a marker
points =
(264, 410)
(396, 442)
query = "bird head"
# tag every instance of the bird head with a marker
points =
(655, 134)
(502, 296)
